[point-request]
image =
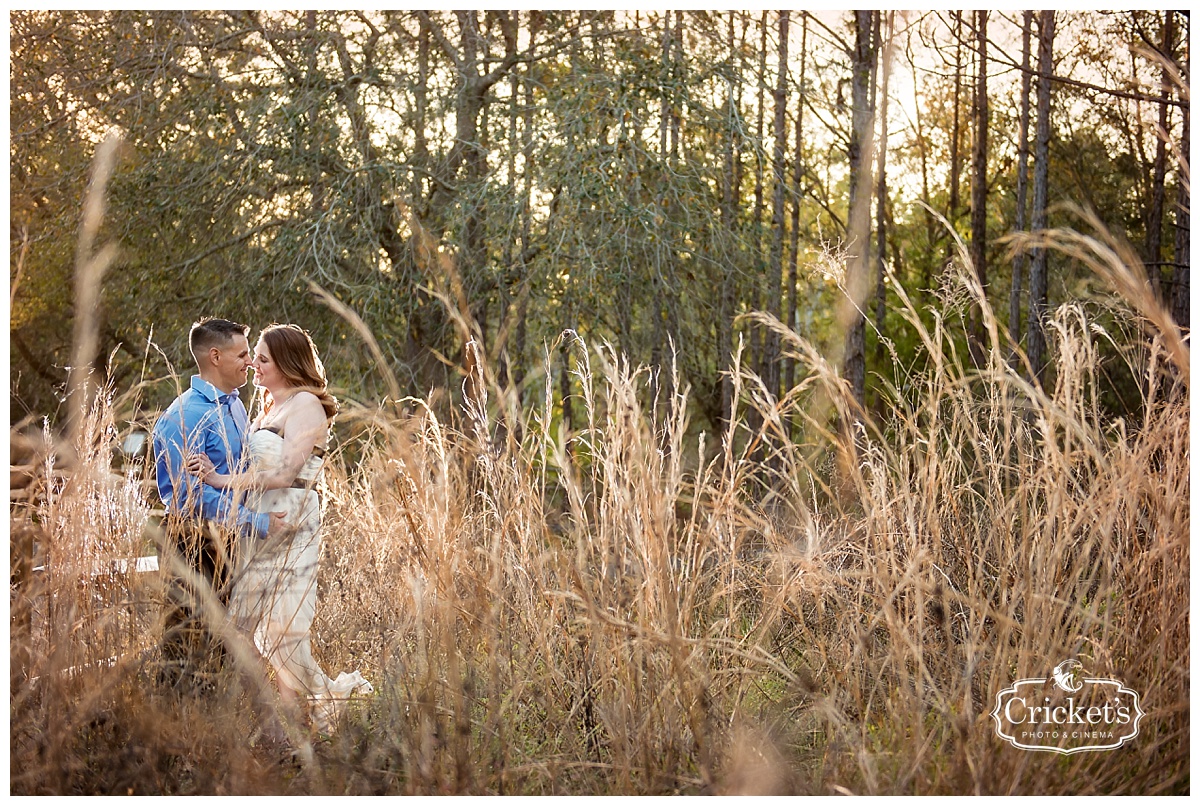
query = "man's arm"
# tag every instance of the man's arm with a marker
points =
(176, 488)
(182, 492)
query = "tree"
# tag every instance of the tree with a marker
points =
(526, 254)
(729, 189)
(1181, 285)
(979, 185)
(789, 365)
(956, 132)
(1020, 258)
(659, 359)
(771, 375)
(859, 230)
(1157, 201)
(881, 197)
(1041, 175)
(757, 340)
(537, 171)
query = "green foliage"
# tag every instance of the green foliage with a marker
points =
(265, 150)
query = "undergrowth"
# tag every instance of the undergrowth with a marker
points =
(827, 604)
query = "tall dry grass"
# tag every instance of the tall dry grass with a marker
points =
(632, 609)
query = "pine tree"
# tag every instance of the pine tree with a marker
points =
(1041, 176)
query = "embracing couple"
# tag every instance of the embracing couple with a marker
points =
(243, 512)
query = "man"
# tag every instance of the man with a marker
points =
(209, 417)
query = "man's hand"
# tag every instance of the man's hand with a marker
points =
(278, 525)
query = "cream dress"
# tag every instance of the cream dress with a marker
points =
(274, 594)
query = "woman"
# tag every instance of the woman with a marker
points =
(274, 595)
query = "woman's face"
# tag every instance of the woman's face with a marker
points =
(266, 372)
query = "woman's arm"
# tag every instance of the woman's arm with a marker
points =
(198, 464)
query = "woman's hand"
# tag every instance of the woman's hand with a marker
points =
(198, 464)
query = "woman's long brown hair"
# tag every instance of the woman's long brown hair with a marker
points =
(295, 355)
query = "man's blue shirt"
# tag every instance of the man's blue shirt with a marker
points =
(203, 419)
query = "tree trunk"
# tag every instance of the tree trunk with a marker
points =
(1181, 275)
(881, 198)
(956, 130)
(526, 205)
(979, 188)
(739, 166)
(474, 270)
(676, 112)
(568, 295)
(858, 238)
(421, 106)
(664, 116)
(420, 319)
(514, 109)
(1020, 259)
(1158, 192)
(789, 364)
(778, 212)
(511, 278)
(757, 341)
(675, 215)
(728, 189)
(483, 280)
(318, 197)
(1037, 271)
(658, 350)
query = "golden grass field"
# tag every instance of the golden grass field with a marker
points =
(635, 608)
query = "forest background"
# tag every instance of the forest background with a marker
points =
(732, 401)
(640, 179)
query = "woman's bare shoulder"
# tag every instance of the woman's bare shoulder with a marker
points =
(304, 420)
(304, 406)
(305, 398)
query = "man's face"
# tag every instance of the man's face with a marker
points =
(232, 362)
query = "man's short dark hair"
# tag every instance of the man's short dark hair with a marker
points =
(209, 332)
